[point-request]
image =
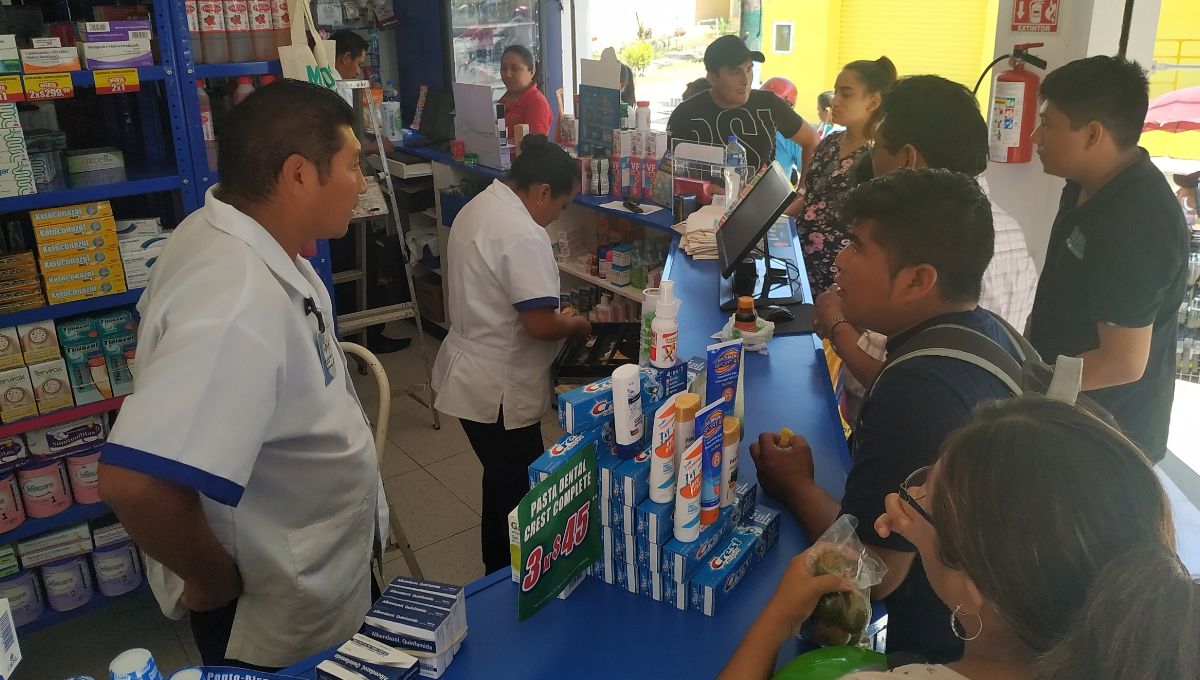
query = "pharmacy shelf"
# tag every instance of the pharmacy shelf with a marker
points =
(145, 73)
(129, 297)
(575, 270)
(58, 417)
(75, 514)
(661, 220)
(245, 68)
(99, 600)
(136, 184)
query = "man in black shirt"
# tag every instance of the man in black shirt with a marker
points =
(1116, 262)
(733, 107)
(920, 241)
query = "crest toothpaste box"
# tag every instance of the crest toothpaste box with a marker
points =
(655, 521)
(725, 569)
(607, 464)
(766, 520)
(562, 451)
(631, 482)
(681, 560)
(675, 593)
(649, 555)
(623, 517)
(650, 584)
(586, 408)
(746, 502)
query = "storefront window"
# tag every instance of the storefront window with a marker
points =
(482, 29)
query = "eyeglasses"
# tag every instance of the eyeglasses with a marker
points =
(917, 481)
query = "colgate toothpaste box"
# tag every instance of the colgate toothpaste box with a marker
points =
(725, 568)
(682, 560)
(586, 408)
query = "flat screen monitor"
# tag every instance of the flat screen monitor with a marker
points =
(751, 219)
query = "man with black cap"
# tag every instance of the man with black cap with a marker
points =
(734, 108)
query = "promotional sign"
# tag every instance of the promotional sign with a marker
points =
(48, 86)
(554, 532)
(112, 81)
(1035, 16)
(11, 90)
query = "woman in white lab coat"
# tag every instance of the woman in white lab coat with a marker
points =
(493, 371)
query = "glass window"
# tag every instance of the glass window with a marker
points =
(783, 37)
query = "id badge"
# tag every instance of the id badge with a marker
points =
(325, 354)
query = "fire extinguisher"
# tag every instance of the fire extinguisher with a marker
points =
(1014, 106)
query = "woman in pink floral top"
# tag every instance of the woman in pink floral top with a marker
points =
(833, 170)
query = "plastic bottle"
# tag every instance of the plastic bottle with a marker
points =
(262, 31)
(637, 265)
(735, 153)
(390, 93)
(281, 21)
(664, 330)
(642, 116)
(729, 461)
(237, 28)
(746, 319)
(624, 116)
(213, 42)
(627, 410)
(604, 309)
(266, 80)
(649, 304)
(210, 136)
(662, 452)
(245, 85)
(192, 10)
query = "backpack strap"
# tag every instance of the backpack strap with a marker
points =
(964, 344)
(1068, 371)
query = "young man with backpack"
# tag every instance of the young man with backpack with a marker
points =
(920, 242)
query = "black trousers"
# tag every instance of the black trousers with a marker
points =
(211, 630)
(506, 456)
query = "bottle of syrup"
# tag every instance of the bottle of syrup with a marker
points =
(746, 319)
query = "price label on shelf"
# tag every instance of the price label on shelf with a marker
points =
(113, 81)
(11, 90)
(48, 86)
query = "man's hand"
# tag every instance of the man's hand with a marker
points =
(224, 586)
(782, 471)
(829, 306)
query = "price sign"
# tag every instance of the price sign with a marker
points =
(113, 81)
(10, 89)
(48, 86)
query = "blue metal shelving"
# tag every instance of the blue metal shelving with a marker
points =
(145, 74)
(247, 68)
(51, 617)
(66, 309)
(135, 184)
(75, 514)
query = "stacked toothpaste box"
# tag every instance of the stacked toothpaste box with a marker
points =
(640, 553)
(423, 619)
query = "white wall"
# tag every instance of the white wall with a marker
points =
(1086, 28)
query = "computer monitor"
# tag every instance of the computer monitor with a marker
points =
(752, 218)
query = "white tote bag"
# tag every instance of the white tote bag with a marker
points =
(301, 63)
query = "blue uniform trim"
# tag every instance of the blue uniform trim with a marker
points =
(217, 488)
(535, 303)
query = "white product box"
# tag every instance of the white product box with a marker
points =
(122, 54)
(622, 143)
(50, 59)
(135, 245)
(10, 348)
(51, 387)
(140, 226)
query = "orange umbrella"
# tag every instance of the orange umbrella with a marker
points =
(1176, 111)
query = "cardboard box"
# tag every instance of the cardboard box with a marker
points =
(16, 395)
(39, 341)
(9, 117)
(78, 244)
(51, 388)
(21, 306)
(118, 350)
(115, 323)
(25, 271)
(10, 294)
(91, 160)
(116, 31)
(68, 231)
(70, 213)
(14, 453)
(8, 560)
(10, 58)
(77, 329)
(10, 348)
(17, 179)
(52, 41)
(104, 272)
(64, 439)
(66, 261)
(50, 59)
(133, 245)
(141, 226)
(117, 54)
(87, 370)
(39, 550)
(83, 291)
(137, 271)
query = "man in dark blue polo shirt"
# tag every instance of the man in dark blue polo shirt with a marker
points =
(920, 241)
(1116, 264)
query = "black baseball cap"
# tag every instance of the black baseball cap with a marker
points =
(729, 50)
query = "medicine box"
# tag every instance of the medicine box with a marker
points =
(24, 270)
(10, 348)
(141, 226)
(72, 275)
(9, 117)
(117, 322)
(657, 145)
(10, 58)
(78, 244)
(65, 261)
(116, 31)
(619, 276)
(31, 303)
(725, 569)
(63, 439)
(49, 59)
(74, 230)
(51, 388)
(74, 540)
(137, 269)
(16, 395)
(108, 532)
(133, 245)
(39, 341)
(117, 54)
(18, 284)
(88, 370)
(410, 626)
(8, 560)
(622, 143)
(93, 160)
(20, 294)
(13, 453)
(681, 560)
(77, 329)
(83, 291)
(118, 350)
(70, 213)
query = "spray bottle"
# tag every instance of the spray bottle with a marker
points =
(664, 330)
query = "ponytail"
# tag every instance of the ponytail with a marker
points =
(1141, 621)
(543, 162)
(877, 75)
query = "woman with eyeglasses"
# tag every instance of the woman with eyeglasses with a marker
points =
(1049, 536)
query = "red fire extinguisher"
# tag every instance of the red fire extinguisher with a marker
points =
(1014, 107)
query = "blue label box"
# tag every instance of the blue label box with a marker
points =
(650, 584)
(681, 560)
(631, 483)
(623, 517)
(675, 593)
(586, 408)
(725, 568)
(649, 555)
(660, 383)
(746, 502)
(655, 521)
(766, 520)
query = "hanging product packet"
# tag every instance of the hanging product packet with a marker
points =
(842, 618)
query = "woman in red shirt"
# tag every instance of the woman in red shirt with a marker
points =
(523, 103)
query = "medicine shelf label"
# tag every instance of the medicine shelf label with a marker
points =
(116, 80)
(48, 86)
(11, 90)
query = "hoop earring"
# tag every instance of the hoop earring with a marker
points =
(954, 628)
(539, 204)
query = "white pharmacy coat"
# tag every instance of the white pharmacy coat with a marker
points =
(501, 262)
(233, 399)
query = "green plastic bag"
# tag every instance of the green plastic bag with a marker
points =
(830, 663)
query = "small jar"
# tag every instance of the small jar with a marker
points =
(68, 583)
(118, 568)
(24, 595)
(81, 469)
(45, 489)
(12, 510)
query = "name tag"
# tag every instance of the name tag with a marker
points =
(325, 354)
(1077, 243)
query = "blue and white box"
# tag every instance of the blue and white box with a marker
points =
(586, 408)
(624, 518)
(561, 452)
(649, 555)
(622, 546)
(766, 520)
(655, 521)
(660, 383)
(650, 584)
(746, 501)
(362, 658)
(725, 569)
(675, 593)
(631, 483)
(607, 464)
(457, 610)
(410, 626)
(682, 560)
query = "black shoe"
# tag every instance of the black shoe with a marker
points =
(382, 344)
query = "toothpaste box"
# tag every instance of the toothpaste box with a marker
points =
(631, 482)
(623, 517)
(50, 59)
(681, 560)
(10, 348)
(746, 502)
(79, 229)
(117, 54)
(607, 464)
(141, 226)
(655, 521)
(586, 408)
(64, 439)
(675, 593)
(13, 453)
(409, 626)
(649, 554)
(725, 569)
(659, 384)
(650, 584)
(605, 569)
(627, 576)
(561, 452)
(571, 586)
(766, 521)
(695, 366)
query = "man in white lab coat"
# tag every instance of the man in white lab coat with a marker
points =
(243, 464)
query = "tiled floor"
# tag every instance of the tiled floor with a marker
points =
(431, 476)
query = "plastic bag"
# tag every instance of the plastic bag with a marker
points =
(842, 618)
(755, 342)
